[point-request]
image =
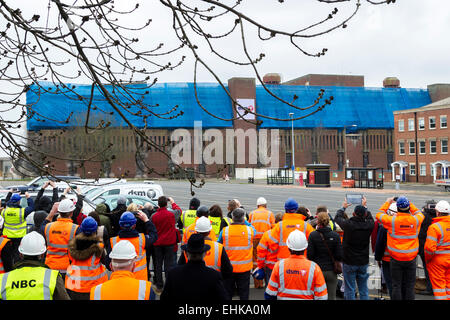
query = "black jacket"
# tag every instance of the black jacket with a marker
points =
(318, 252)
(356, 242)
(194, 282)
(427, 221)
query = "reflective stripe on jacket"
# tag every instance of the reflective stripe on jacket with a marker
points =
(238, 243)
(28, 283)
(82, 275)
(403, 234)
(122, 286)
(280, 232)
(297, 278)
(3, 242)
(262, 220)
(15, 224)
(140, 270)
(58, 234)
(265, 256)
(213, 257)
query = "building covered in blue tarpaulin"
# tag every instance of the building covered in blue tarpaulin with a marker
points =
(366, 114)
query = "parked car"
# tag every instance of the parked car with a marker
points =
(111, 201)
(37, 183)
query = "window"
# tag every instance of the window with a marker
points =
(412, 169)
(443, 121)
(422, 147)
(432, 122)
(431, 170)
(444, 146)
(410, 124)
(432, 146)
(401, 148)
(412, 147)
(423, 169)
(401, 125)
(421, 123)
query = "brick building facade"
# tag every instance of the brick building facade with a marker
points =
(421, 138)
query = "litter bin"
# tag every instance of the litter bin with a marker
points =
(318, 175)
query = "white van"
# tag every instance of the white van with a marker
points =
(147, 189)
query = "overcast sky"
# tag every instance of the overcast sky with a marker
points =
(408, 39)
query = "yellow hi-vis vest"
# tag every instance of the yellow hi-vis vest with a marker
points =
(188, 217)
(28, 283)
(216, 222)
(15, 225)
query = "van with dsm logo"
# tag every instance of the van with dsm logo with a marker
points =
(146, 189)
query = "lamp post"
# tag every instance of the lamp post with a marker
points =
(291, 115)
(345, 150)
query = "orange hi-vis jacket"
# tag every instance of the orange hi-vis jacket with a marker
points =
(403, 231)
(122, 286)
(238, 243)
(384, 208)
(437, 257)
(213, 256)
(190, 230)
(58, 234)
(297, 278)
(262, 220)
(280, 232)
(266, 257)
(3, 242)
(82, 275)
(140, 271)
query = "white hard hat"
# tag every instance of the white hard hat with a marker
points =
(443, 206)
(393, 209)
(123, 250)
(261, 201)
(66, 206)
(297, 241)
(203, 224)
(32, 244)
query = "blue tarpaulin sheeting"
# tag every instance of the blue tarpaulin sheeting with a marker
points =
(161, 98)
(368, 108)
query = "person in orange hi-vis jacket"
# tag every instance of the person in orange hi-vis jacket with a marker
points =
(403, 245)
(437, 252)
(291, 221)
(296, 277)
(266, 258)
(262, 220)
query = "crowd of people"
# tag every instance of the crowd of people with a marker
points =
(134, 252)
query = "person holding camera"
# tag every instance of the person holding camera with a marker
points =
(403, 245)
(357, 231)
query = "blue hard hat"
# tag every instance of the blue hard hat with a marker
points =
(127, 220)
(15, 197)
(402, 203)
(290, 205)
(88, 226)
